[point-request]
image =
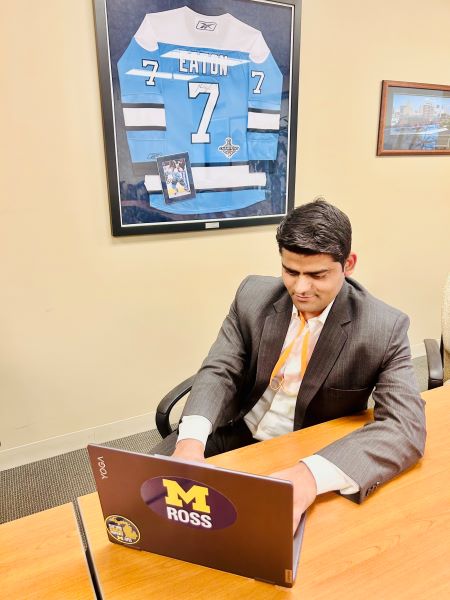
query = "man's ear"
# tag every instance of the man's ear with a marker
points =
(350, 263)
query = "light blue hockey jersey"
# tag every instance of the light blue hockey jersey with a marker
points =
(210, 87)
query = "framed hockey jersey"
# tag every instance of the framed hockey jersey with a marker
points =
(199, 104)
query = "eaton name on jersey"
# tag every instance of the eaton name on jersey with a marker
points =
(204, 64)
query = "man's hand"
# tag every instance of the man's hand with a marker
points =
(190, 450)
(305, 489)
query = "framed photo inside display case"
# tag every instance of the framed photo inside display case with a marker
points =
(199, 104)
(414, 119)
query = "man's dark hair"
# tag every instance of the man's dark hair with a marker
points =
(316, 228)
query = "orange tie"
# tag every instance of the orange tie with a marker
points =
(284, 356)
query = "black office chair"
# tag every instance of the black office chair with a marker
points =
(438, 356)
(168, 402)
(435, 359)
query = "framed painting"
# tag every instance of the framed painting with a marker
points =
(414, 119)
(199, 102)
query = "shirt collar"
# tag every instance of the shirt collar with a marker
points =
(320, 318)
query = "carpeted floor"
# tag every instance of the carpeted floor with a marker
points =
(46, 483)
(53, 481)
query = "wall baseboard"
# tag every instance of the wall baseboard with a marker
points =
(22, 455)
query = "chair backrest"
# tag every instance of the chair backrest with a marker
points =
(446, 329)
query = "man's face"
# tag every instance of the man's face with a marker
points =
(313, 281)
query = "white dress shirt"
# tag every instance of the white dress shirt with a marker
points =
(273, 414)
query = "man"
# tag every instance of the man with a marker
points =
(304, 350)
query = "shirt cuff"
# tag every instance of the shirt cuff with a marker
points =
(194, 427)
(328, 476)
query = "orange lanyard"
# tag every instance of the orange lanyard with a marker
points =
(285, 354)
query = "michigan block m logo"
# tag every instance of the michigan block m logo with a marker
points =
(176, 496)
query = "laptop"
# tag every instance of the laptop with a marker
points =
(196, 512)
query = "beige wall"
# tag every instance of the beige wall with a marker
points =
(96, 329)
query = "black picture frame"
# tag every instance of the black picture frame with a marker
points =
(242, 171)
(177, 181)
(414, 119)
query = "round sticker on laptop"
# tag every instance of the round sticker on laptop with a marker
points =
(187, 502)
(122, 529)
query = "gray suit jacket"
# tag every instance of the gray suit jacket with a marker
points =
(362, 349)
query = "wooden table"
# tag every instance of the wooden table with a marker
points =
(394, 546)
(42, 556)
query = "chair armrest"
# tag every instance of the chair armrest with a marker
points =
(435, 368)
(168, 402)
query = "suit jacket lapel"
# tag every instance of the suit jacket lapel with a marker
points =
(274, 332)
(325, 354)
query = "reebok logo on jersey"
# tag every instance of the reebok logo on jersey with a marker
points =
(206, 25)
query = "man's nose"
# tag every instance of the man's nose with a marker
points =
(302, 285)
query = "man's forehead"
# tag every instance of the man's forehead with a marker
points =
(308, 261)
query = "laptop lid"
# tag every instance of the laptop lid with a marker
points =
(227, 520)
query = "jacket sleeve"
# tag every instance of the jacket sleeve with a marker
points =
(395, 440)
(214, 394)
